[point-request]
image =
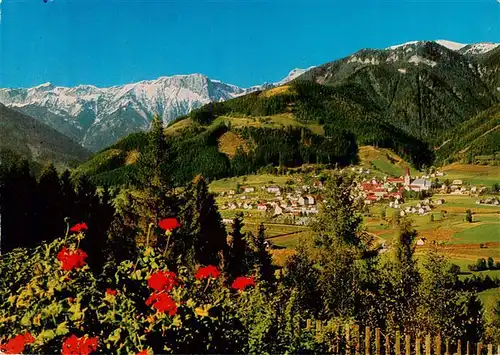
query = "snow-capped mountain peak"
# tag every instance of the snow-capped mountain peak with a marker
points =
(97, 117)
(294, 73)
(469, 49)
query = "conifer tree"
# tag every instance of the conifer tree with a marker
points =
(202, 229)
(238, 254)
(154, 174)
(48, 204)
(262, 257)
(68, 195)
(338, 222)
(400, 282)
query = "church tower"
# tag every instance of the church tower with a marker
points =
(407, 177)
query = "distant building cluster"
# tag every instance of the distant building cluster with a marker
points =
(391, 188)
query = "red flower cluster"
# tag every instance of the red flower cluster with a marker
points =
(206, 272)
(169, 224)
(143, 352)
(79, 346)
(163, 303)
(79, 227)
(243, 282)
(16, 345)
(111, 292)
(162, 281)
(71, 259)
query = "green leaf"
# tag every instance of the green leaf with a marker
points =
(62, 329)
(48, 334)
(26, 320)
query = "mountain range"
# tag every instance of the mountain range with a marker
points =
(98, 117)
(422, 87)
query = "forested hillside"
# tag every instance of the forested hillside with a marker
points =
(422, 88)
(286, 126)
(22, 136)
(478, 136)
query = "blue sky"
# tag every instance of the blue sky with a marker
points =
(111, 42)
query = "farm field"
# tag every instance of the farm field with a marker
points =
(459, 240)
(485, 175)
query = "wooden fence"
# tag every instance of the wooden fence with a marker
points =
(352, 340)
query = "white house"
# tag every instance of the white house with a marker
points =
(249, 189)
(227, 221)
(420, 185)
(421, 241)
(262, 207)
(273, 189)
(278, 210)
(310, 200)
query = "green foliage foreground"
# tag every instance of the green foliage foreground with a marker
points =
(51, 304)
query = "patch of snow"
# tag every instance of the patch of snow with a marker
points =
(295, 73)
(402, 45)
(454, 46)
(480, 48)
(418, 59)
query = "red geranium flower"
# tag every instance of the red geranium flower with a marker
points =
(169, 224)
(71, 259)
(163, 303)
(162, 281)
(79, 227)
(143, 352)
(111, 292)
(243, 282)
(206, 272)
(16, 345)
(79, 346)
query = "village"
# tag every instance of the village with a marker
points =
(296, 201)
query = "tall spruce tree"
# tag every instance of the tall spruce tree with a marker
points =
(238, 258)
(97, 213)
(48, 204)
(202, 230)
(154, 174)
(262, 259)
(400, 283)
(68, 196)
(338, 222)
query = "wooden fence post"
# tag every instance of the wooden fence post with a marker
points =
(367, 341)
(428, 344)
(357, 340)
(377, 341)
(490, 349)
(468, 348)
(318, 327)
(418, 346)
(398, 343)
(447, 351)
(479, 348)
(387, 345)
(459, 347)
(438, 344)
(407, 344)
(347, 340)
(337, 334)
(308, 324)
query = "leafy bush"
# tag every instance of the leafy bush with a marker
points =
(50, 293)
